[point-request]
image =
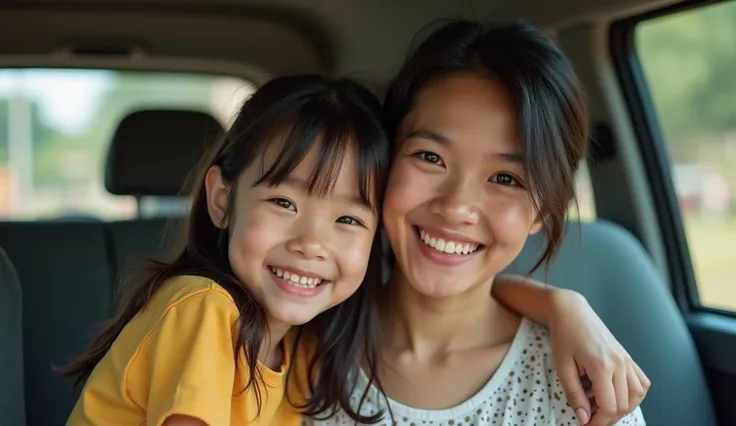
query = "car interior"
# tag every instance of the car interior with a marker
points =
(106, 107)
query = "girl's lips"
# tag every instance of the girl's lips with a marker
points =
(292, 288)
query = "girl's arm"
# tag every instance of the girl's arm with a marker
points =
(582, 346)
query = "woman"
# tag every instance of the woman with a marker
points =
(489, 126)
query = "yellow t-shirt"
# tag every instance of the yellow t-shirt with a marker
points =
(177, 357)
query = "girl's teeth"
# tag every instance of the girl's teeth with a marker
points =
(447, 246)
(297, 280)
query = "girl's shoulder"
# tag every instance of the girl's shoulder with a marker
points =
(181, 288)
(186, 292)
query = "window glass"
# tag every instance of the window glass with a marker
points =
(56, 127)
(585, 210)
(689, 62)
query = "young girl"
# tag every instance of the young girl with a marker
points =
(490, 124)
(280, 231)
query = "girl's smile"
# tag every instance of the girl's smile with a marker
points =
(297, 282)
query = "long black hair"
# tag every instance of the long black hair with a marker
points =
(550, 107)
(344, 117)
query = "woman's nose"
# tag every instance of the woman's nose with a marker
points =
(457, 205)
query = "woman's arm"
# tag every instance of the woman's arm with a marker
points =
(582, 346)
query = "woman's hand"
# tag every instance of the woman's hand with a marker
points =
(583, 346)
(584, 349)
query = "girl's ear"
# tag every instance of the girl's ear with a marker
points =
(217, 196)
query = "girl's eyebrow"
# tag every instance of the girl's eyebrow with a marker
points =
(353, 199)
(506, 157)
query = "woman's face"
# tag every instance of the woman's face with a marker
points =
(457, 210)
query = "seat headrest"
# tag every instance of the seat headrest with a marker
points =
(153, 151)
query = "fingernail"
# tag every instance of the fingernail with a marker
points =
(582, 416)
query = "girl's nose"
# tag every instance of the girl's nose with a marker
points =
(309, 245)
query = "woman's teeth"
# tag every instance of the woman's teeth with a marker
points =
(296, 280)
(447, 246)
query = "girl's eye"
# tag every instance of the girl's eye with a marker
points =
(348, 220)
(505, 179)
(430, 157)
(284, 203)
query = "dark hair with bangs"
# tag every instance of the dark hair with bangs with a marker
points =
(340, 116)
(551, 112)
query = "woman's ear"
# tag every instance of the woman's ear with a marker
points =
(537, 224)
(217, 196)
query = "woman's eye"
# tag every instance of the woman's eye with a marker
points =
(430, 157)
(347, 220)
(284, 203)
(505, 179)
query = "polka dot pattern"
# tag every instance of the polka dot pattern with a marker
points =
(525, 391)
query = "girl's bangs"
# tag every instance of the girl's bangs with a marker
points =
(335, 135)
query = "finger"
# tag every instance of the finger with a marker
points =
(643, 379)
(636, 390)
(621, 388)
(604, 395)
(573, 387)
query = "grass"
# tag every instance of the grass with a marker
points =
(713, 254)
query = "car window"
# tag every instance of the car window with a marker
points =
(585, 209)
(689, 63)
(56, 126)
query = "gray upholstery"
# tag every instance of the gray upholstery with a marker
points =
(67, 290)
(611, 268)
(153, 151)
(12, 406)
(68, 268)
(132, 242)
(152, 154)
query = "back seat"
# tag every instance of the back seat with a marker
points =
(12, 407)
(152, 154)
(67, 290)
(68, 269)
(612, 269)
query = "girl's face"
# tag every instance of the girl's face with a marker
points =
(457, 210)
(298, 253)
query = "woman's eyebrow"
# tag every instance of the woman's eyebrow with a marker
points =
(430, 135)
(509, 157)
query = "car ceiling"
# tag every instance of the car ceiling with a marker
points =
(365, 39)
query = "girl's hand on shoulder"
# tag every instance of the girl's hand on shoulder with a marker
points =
(583, 346)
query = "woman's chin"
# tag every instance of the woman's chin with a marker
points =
(436, 287)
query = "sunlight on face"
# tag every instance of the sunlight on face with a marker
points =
(457, 210)
(299, 253)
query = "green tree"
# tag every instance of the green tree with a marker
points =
(689, 61)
